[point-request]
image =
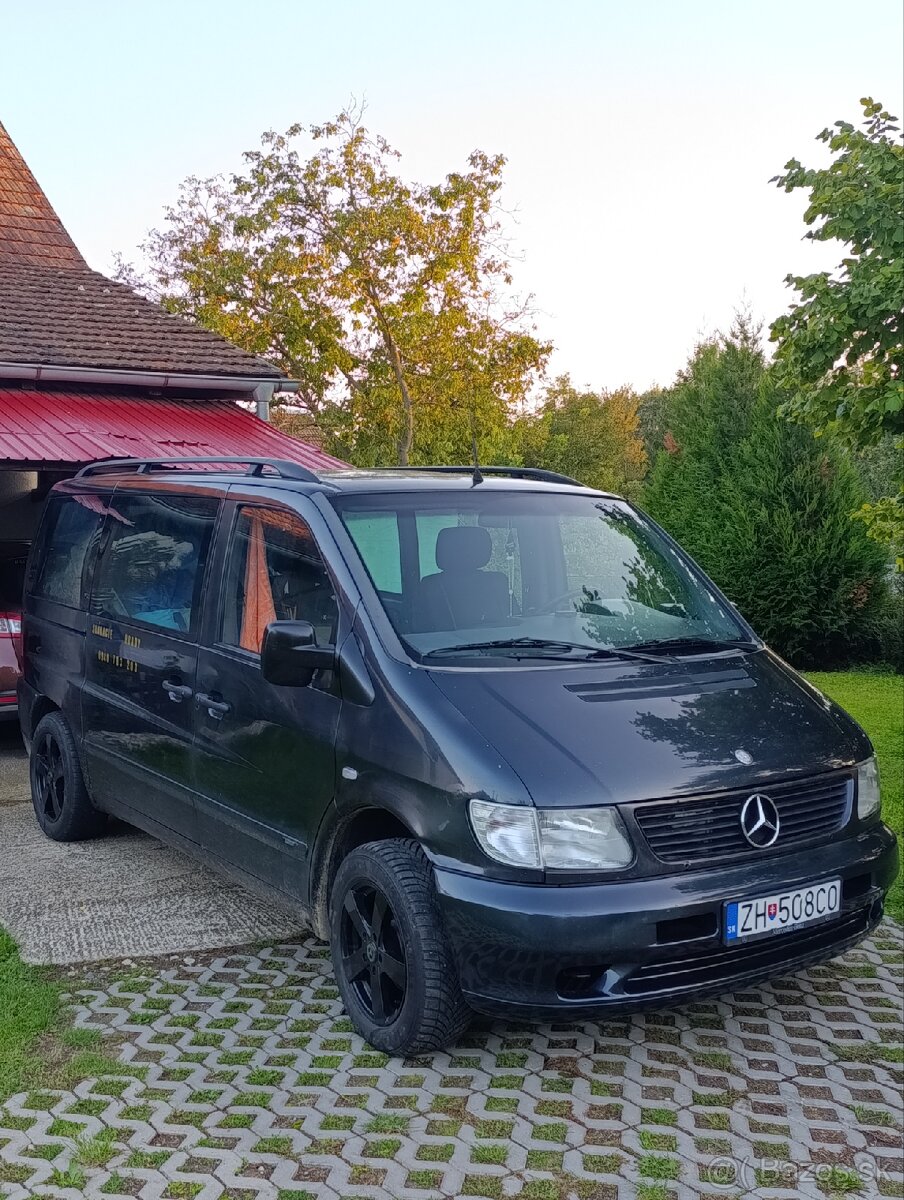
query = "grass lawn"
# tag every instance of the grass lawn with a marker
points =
(877, 703)
(28, 1007)
(38, 1048)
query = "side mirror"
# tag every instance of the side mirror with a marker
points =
(290, 654)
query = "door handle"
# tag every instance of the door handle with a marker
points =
(176, 691)
(215, 708)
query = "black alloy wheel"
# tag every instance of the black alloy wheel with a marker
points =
(373, 957)
(49, 778)
(393, 960)
(62, 805)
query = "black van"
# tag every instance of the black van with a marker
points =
(496, 736)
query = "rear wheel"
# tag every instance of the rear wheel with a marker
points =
(61, 801)
(390, 954)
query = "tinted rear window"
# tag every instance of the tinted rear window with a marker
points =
(69, 529)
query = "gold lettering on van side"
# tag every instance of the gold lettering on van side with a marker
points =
(104, 631)
(131, 640)
(117, 660)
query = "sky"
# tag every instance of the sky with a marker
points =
(640, 136)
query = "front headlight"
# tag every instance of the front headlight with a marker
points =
(507, 833)
(868, 799)
(562, 839)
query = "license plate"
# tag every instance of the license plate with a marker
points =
(782, 910)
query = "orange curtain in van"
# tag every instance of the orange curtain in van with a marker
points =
(259, 609)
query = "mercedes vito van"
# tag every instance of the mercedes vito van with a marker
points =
(493, 733)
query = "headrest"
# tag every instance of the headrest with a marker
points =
(463, 548)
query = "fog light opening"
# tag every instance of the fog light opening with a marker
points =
(687, 929)
(574, 983)
(859, 885)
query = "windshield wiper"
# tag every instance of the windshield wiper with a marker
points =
(549, 647)
(691, 643)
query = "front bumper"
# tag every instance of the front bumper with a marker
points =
(548, 951)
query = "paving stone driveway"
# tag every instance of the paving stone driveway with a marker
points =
(242, 1079)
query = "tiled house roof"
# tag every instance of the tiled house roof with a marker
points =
(78, 318)
(31, 234)
(56, 311)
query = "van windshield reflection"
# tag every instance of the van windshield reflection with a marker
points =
(531, 574)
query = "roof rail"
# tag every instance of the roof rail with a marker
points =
(537, 473)
(255, 466)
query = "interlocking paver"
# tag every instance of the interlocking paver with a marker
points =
(243, 1080)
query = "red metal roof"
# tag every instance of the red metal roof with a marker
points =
(71, 427)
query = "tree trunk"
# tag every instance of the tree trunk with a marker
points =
(406, 437)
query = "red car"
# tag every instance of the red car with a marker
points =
(13, 556)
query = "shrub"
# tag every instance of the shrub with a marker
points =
(889, 626)
(766, 508)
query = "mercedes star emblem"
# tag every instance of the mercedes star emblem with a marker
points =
(759, 821)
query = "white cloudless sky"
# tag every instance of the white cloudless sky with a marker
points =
(640, 134)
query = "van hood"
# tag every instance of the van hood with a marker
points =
(619, 732)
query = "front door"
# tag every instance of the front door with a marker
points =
(265, 755)
(142, 654)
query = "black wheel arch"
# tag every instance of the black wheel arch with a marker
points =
(36, 714)
(344, 830)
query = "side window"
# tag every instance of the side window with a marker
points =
(69, 529)
(275, 573)
(152, 566)
(376, 535)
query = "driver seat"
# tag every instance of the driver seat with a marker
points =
(462, 594)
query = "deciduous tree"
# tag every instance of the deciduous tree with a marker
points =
(391, 302)
(592, 436)
(840, 349)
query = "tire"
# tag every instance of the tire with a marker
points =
(402, 994)
(61, 802)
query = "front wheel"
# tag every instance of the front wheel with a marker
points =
(393, 964)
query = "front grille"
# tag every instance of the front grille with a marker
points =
(700, 830)
(725, 963)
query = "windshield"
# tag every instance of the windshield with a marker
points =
(536, 574)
